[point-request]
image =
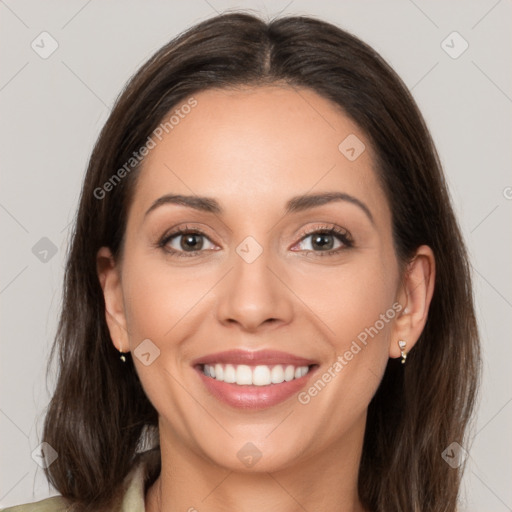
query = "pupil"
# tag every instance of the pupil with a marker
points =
(320, 240)
(190, 241)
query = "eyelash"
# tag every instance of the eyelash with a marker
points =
(342, 235)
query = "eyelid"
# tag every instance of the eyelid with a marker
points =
(327, 228)
(342, 234)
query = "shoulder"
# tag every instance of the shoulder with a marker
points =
(144, 471)
(132, 499)
(53, 504)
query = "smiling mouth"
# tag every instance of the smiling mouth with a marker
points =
(260, 375)
(254, 380)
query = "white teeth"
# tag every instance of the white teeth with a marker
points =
(243, 374)
(260, 375)
(229, 374)
(219, 371)
(289, 373)
(277, 374)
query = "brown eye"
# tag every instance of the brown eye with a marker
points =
(182, 242)
(325, 241)
(191, 241)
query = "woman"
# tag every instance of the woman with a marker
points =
(267, 300)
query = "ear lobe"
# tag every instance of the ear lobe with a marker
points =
(415, 295)
(110, 281)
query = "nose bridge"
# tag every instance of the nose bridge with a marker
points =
(251, 293)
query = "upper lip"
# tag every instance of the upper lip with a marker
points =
(260, 357)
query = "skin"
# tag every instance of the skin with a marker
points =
(252, 149)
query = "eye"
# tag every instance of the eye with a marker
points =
(322, 241)
(185, 242)
(326, 241)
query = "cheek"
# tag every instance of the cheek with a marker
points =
(356, 303)
(161, 304)
(159, 298)
(352, 298)
(368, 296)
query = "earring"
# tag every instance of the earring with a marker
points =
(402, 344)
(122, 356)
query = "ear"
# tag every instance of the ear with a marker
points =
(110, 280)
(415, 294)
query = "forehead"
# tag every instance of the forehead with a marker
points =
(259, 145)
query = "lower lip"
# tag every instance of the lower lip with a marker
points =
(254, 397)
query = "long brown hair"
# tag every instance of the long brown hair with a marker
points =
(99, 416)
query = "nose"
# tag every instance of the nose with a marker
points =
(252, 295)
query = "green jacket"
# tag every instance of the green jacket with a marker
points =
(133, 497)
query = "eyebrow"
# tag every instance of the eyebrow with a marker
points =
(293, 205)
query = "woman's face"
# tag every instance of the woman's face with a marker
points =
(252, 290)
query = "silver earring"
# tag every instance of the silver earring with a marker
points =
(402, 344)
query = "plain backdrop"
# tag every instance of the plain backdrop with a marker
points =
(53, 108)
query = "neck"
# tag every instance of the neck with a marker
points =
(189, 482)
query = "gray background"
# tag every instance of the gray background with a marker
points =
(54, 108)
